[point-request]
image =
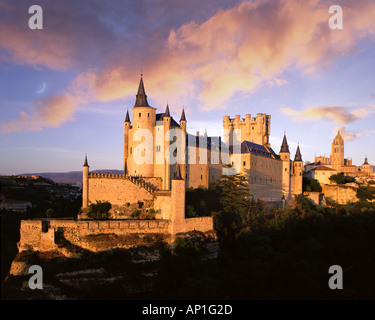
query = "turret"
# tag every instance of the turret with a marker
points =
(127, 125)
(177, 212)
(167, 142)
(285, 157)
(85, 184)
(140, 160)
(183, 128)
(298, 172)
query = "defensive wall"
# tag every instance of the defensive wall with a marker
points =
(41, 234)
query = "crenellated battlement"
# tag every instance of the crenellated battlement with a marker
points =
(256, 129)
(137, 180)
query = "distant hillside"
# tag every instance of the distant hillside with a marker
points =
(66, 177)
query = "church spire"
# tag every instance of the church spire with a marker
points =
(284, 146)
(141, 97)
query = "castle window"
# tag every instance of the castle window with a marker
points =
(139, 114)
(130, 150)
(148, 115)
(244, 163)
(201, 177)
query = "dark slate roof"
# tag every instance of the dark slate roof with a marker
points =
(86, 163)
(210, 145)
(284, 145)
(166, 113)
(159, 117)
(256, 149)
(298, 156)
(183, 118)
(141, 97)
(127, 118)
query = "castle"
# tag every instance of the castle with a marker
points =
(160, 161)
(157, 148)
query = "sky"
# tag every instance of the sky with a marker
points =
(65, 89)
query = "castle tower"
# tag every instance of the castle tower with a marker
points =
(85, 184)
(140, 160)
(338, 152)
(285, 157)
(183, 128)
(177, 216)
(167, 142)
(298, 173)
(256, 130)
(127, 125)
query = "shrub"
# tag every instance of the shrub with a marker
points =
(99, 210)
(50, 213)
(136, 213)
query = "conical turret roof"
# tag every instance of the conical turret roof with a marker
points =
(127, 118)
(284, 146)
(86, 163)
(166, 113)
(298, 156)
(141, 97)
(183, 118)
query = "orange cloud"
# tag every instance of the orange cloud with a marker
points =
(336, 114)
(235, 51)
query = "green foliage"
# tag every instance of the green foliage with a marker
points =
(190, 211)
(234, 193)
(365, 194)
(50, 213)
(340, 178)
(136, 213)
(99, 210)
(201, 202)
(277, 253)
(311, 185)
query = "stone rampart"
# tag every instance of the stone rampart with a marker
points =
(35, 238)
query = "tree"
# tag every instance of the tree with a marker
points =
(50, 213)
(234, 197)
(234, 193)
(340, 178)
(311, 185)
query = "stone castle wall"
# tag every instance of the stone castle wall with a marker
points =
(120, 190)
(341, 195)
(32, 235)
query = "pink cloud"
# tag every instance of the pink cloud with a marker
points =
(336, 114)
(48, 112)
(235, 50)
